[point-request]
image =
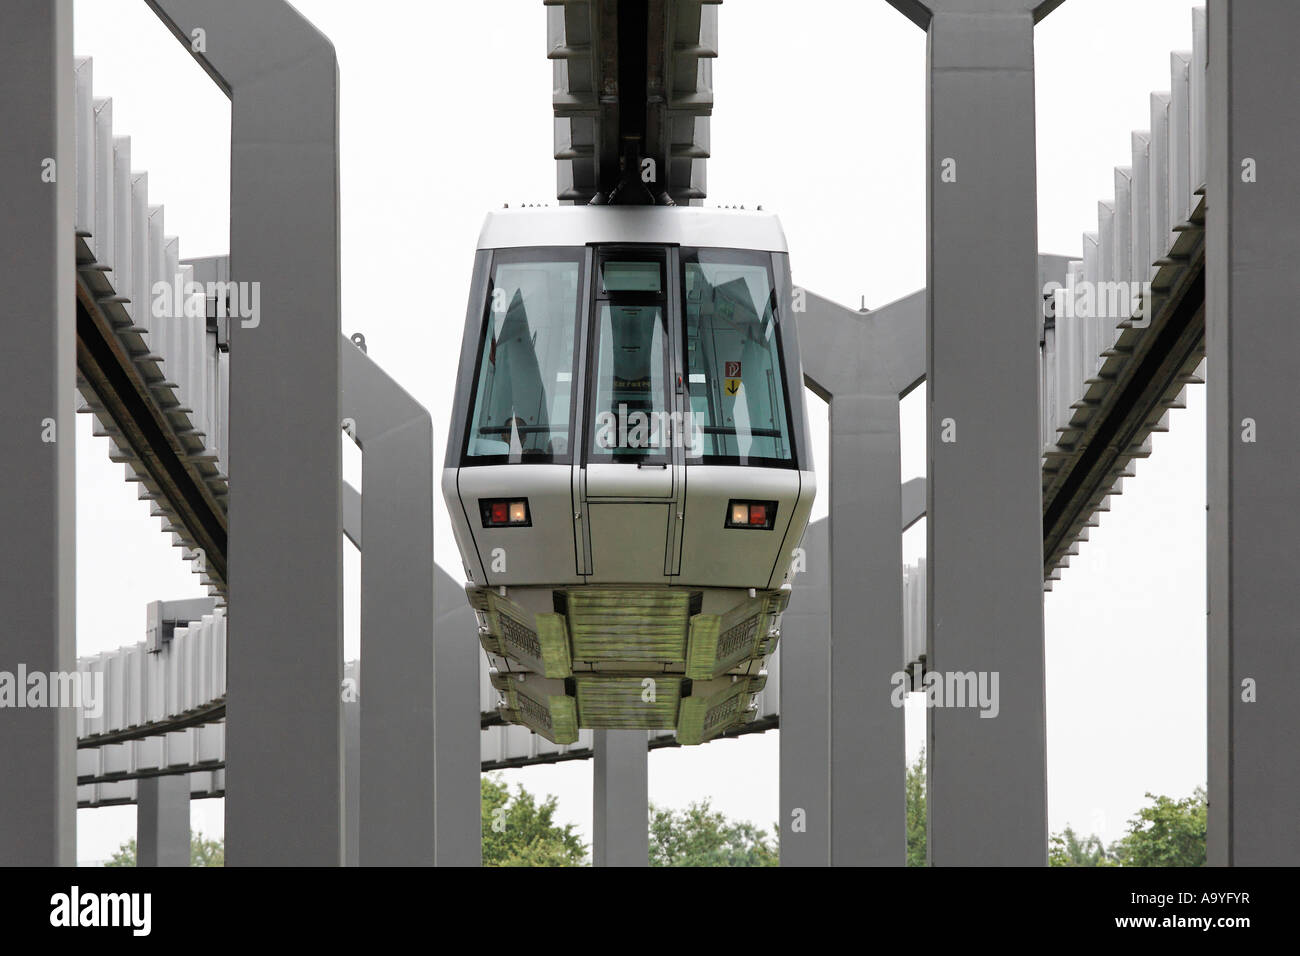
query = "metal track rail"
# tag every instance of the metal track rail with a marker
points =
(114, 386)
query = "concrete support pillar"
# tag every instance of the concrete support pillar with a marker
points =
(458, 754)
(621, 812)
(868, 762)
(842, 738)
(805, 760)
(397, 796)
(284, 743)
(37, 392)
(987, 796)
(1253, 433)
(352, 783)
(162, 823)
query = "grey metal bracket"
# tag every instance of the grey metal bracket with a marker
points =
(163, 617)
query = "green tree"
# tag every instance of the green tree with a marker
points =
(207, 852)
(125, 855)
(1070, 849)
(519, 831)
(701, 836)
(915, 787)
(203, 852)
(1167, 833)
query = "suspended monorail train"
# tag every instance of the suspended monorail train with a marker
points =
(628, 469)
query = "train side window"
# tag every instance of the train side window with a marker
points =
(738, 404)
(522, 408)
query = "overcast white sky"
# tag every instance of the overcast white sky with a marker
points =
(446, 113)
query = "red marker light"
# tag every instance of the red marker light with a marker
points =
(751, 515)
(505, 513)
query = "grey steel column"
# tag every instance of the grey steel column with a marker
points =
(861, 364)
(397, 792)
(805, 734)
(1253, 433)
(987, 794)
(352, 711)
(459, 657)
(868, 758)
(162, 822)
(37, 389)
(352, 783)
(621, 811)
(284, 740)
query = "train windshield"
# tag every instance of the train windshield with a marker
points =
(522, 409)
(732, 358)
(682, 349)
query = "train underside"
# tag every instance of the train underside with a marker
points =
(628, 657)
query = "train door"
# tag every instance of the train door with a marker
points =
(630, 476)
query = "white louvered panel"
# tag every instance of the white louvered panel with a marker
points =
(1121, 239)
(1180, 191)
(102, 240)
(1158, 193)
(1140, 217)
(84, 144)
(122, 220)
(156, 268)
(1196, 101)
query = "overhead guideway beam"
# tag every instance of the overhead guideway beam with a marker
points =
(633, 83)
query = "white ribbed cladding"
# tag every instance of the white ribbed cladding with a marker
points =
(1151, 232)
(914, 614)
(84, 136)
(203, 783)
(141, 688)
(123, 251)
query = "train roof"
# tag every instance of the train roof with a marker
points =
(673, 225)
